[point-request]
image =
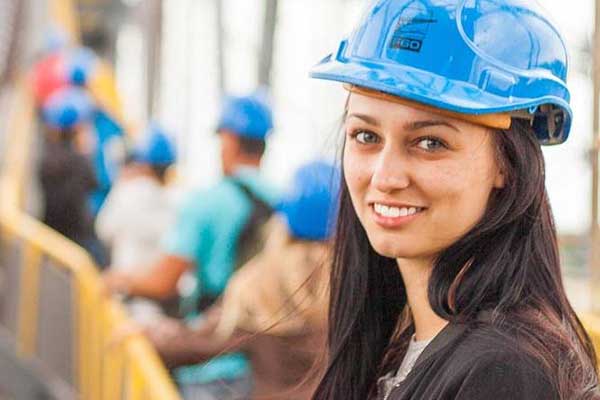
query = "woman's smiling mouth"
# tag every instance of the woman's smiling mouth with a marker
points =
(389, 216)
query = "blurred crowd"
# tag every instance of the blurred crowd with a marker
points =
(229, 282)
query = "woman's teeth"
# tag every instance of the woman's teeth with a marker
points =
(395, 212)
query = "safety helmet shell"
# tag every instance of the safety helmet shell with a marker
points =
(62, 68)
(465, 56)
(309, 207)
(81, 65)
(67, 107)
(157, 147)
(246, 116)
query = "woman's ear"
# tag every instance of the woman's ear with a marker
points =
(499, 172)
(499, 179)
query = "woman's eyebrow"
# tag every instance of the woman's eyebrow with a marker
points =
(411, 126)
(366, 118)
(416, 125)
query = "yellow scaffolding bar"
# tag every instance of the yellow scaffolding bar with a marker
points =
(63, 13)
(28, 300)
(99, 367)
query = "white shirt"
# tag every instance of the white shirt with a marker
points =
(135, 215)
(132, 220)
(415, 348)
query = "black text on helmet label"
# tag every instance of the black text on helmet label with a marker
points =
(411, 29)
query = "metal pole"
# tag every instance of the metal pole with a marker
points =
(153, 45)
(266, 55)
(220, 31)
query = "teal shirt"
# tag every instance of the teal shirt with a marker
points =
(206, 231)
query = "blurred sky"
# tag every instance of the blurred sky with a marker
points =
(307, 112)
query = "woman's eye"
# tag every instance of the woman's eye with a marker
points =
(430, 144)
(366, 137)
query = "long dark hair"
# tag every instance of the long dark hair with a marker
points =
(508, 264)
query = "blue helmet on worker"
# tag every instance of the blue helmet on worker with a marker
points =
(309, 208)
(475, 57)
(80, 64)
(67, 108)
(246, 116)
(157, 148)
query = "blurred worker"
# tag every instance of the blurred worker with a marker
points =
(275, 306)
(62, 67)
(65, 173)
(137, 213)
(215, 231)
(86, 69)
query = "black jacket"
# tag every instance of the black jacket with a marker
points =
(67, 179)
(475, 363)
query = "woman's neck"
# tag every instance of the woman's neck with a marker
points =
(415, 274)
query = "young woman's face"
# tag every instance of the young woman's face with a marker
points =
(418, 180)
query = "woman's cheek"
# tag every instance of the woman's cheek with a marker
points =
(356, 171)
(349, 164)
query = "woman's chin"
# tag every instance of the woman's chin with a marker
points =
(393, 250)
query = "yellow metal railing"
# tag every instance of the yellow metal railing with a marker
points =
(62, 12)
(128, 369)
(104, 370)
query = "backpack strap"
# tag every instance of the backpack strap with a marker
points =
(254, 199)
(249, 242)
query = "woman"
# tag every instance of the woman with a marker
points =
(446, 281)
(274, 307)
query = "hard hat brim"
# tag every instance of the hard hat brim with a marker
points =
(434, 90)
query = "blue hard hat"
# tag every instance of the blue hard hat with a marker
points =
(157, 148)
(67, 108)
(80, 65)
(247, 116)
(309, 208)
(465, 56)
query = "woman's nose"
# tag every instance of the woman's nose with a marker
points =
(390, 172)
